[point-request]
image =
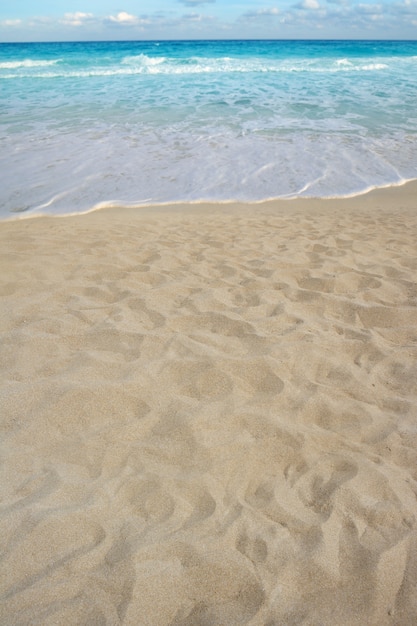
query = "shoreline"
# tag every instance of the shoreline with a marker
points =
(375, 196)
(208, 414)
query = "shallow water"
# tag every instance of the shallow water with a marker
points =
(83, 124)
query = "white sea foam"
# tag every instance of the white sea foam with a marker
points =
(144, 64)
(374, 66)
(153, 166)
(142, 60)
(11, 65)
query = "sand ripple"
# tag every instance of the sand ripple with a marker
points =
(209, 418)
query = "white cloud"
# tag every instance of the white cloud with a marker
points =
(193, 17)
(76, 19)
(123, 18)
(369, 9)
(310, 4)
(11, 22)
(262, 13)
(126, 20)
(195, 3)
(272, 11)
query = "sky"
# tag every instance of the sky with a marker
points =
(84, 20)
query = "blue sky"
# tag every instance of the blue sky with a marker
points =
(74, 20)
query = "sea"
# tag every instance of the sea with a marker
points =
(91, 124)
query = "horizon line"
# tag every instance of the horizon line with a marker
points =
(212, 39)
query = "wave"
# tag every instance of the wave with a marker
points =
(11, 65)
(144, 64)
(194, 65)
(143, 59)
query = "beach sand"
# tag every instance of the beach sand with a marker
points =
(209, 415)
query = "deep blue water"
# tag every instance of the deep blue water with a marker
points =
(145, 122)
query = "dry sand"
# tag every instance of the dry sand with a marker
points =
(209, 415)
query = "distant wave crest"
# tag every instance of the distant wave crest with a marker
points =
(143, 60)
(144, 64)
(12, 65)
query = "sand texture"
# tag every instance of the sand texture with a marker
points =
(209, 415)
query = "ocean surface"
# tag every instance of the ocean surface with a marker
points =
(88, 124)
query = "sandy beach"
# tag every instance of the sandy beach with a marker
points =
(209, 415)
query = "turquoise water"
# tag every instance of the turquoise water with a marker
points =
(84, 124)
